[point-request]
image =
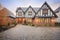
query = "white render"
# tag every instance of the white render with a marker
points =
(45, 7)
(30, 16)
(22, 13)
(58, 19)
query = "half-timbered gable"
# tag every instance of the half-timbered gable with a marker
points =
(20, 12)
(45, 11)
(45, 15)
(30, 13)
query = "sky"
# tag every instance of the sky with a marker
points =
(12, 5)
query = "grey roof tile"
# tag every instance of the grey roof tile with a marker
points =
(57, 10)
(25, 8)
(38, 9)
(11, 14)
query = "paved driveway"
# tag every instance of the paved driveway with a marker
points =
(23, 32)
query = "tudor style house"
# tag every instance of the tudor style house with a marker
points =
(36, 16)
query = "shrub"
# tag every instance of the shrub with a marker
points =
(57, 24)
(4, 27)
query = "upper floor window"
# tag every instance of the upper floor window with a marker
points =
(29, 12)
(45, 12)
(19, 13)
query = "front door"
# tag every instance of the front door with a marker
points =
(20, 20)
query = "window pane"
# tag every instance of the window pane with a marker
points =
(45, 11)
(29, 12)
(19, 13)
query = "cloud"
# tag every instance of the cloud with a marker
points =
(55, 6)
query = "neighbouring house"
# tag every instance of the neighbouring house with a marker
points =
(12, 18)
(6, 17)
(57, 11)
(3, 17)
(36, 16)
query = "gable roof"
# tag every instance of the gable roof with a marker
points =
(49, 8)
(31, 8)
(36, 10)
(25, 8)
(6, 12)
(57, 10)
(11, 14)
(19, 9)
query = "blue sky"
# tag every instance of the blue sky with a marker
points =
(13, 4)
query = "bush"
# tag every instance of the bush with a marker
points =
(32, 24)
(57, 24)
(4, 27)
(15, 23)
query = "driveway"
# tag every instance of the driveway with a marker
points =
(23, 32)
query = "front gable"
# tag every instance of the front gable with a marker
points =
(20, 12)
(46, 11)
(30, 13)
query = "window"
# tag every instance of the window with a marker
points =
(47, 20)
(29, 12)
(19, 13)
(45, 12)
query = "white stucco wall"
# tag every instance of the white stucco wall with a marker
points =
(58, 19)
(31, 16)
(22, 13)
(45, 7)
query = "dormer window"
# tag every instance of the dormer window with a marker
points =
(29, 12)
(45, 12)
(19, 13)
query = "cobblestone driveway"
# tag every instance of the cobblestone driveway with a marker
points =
(21, 32)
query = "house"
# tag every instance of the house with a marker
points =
(3, 16)
(36, 16)
(57, 11)
(6, 17)
(12, 18)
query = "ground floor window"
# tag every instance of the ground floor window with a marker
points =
(28, 19)
(38, 21)
(44, 20)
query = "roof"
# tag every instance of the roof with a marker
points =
(25, 8)
(57, 10)
(11, 14)
(19, 9)
(49, 8)
(36, 10)
(31, 8)
(6, 12)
